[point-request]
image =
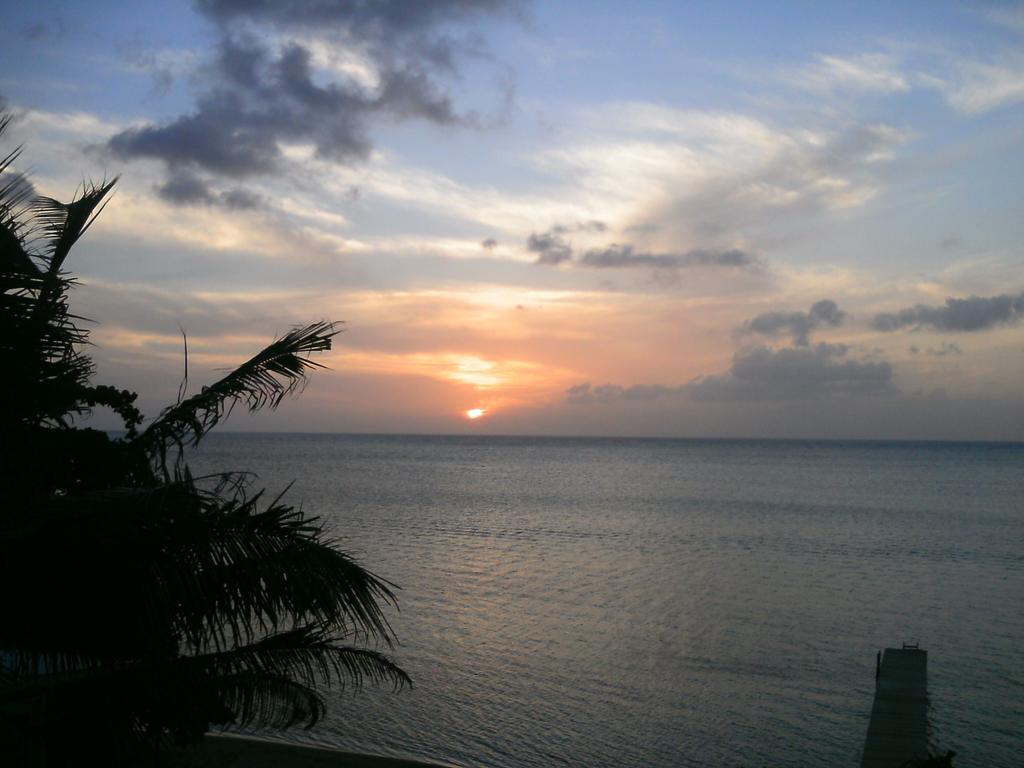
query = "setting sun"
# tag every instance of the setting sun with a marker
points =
(475, 413)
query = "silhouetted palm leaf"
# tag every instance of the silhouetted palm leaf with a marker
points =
(15, 193)
(48, 376)
(213, 572)
(263, 380)
(273, 701)
(276, 681)
(57, 226)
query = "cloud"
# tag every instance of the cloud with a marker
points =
(182, 187)
(582, 394)
(761, 373)
(383, 17)
(552, 248)
(619, 256)
(1011, 17)
(241, 199)
(700, 175)
(266, 87)
(489, 244)
(162, 66)
(969, 85)
(798, 324)
(867, 72)
(975, 313)
(976, 86)
(266, 98)
(549, 246)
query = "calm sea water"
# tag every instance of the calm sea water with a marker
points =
(669, 602)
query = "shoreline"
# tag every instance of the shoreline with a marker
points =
(228, 750)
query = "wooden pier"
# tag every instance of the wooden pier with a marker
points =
(898, 730)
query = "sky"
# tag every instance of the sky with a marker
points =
(789, 220)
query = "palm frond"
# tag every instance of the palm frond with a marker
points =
(173, 561)
(263, 380)
(242, 571)
(271, 701)
(15, 193)
(312, 656)
(45, 371)
(274, 681)
(58, 226)
(12, 192)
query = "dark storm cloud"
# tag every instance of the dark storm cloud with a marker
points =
(797, 324)
(182, 187)
(975, 313)
(257, 95)
(763, 374)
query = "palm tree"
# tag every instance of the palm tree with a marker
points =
(141, 604)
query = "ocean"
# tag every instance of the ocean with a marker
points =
(630, 602)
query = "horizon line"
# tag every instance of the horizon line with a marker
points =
(940, 441)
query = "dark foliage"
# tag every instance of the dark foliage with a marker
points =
(143, 605)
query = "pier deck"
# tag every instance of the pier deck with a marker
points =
(898, 730)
